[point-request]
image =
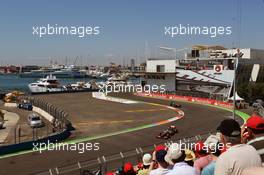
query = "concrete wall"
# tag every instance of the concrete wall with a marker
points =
(102, 96)
(43, 113)
(40, 111)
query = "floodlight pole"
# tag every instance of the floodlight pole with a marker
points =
(234, 85)
(234, 91)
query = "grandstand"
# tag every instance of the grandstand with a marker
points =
(250, 79)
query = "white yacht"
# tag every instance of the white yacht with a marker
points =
(48, 84)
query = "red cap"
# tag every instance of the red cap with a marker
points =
(160, 147)
(199, 146)
(128, 167)
(109, 173)
(140, 165)
(255, 122)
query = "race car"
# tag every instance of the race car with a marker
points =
(174, 104)
(168, 133)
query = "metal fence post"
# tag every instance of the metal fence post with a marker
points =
(50, 172)
(80, 167)
(15, 135)
(122, 157)
(19, 133)
(57, 170)
(105, 164)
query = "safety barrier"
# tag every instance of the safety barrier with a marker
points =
(38, 110)
(58, 118)
(29, 144)
(102, 96)
(189, 98)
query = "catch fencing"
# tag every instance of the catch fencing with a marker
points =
(24, 133)
(60, 121)
(23, 137)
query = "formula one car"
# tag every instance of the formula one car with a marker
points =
(168, 133)
(174, 104)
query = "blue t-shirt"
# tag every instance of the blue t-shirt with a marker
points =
(209, 169)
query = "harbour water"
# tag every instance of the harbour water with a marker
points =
(14, 82)
(10, 82)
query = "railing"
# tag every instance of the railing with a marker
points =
(111, 162)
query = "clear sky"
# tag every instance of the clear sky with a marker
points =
(125, 27)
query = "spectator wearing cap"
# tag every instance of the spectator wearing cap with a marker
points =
(253, 134)
(215, 148)
(238, 156)
(189, 157)
(176, 156)
(159, 158)
(203, 157)
(160, 147)
(110, 173)
(146, 159)
(129, 169)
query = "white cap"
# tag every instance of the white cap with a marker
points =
(146, 159)
(174, 152)
(211, 142)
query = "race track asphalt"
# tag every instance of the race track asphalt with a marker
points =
(198, 119)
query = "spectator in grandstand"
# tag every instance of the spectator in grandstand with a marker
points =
(175, 156)
(120, 171)
(163, 166)
(203, 157)
(253, 171)
(146, 159)
(189, 157)
(253, 134)
(238, 156)
(160, 147)
(129, 169)
(214, 147)
(110, 173)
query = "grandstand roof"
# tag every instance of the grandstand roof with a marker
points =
(207, 47)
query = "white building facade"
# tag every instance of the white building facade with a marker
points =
(161, 72)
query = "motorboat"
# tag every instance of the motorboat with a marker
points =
(79, 86)
(48, 84)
